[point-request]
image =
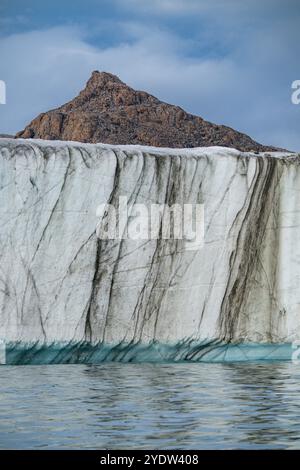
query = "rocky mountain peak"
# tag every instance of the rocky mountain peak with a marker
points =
(109, 111)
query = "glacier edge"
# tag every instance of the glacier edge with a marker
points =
(67, 296)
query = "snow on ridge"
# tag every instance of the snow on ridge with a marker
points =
(194, 151)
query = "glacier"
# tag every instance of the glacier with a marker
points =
(67, 296)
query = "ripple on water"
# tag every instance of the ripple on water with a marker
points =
(162, 406)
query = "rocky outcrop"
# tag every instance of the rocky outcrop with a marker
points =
(109, 111)
(66, 295)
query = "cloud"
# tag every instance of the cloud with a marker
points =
(45, 68)
(166, 6)
(243, 88)
(225, 9)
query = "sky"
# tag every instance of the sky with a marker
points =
(232, 62)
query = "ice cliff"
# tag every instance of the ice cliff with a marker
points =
(67, 296)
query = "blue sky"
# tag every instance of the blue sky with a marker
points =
(229, 61)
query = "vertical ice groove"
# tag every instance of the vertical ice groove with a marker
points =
(61, 286)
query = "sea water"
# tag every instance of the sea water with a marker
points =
(151, 406)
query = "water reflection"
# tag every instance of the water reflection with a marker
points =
(212, 406)
(269, 402)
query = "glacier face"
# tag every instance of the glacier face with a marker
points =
(66, 295)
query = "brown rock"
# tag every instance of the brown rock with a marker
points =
(109, 111)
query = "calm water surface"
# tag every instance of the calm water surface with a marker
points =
(160, 406)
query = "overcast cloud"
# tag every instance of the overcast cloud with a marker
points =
(230, 62)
